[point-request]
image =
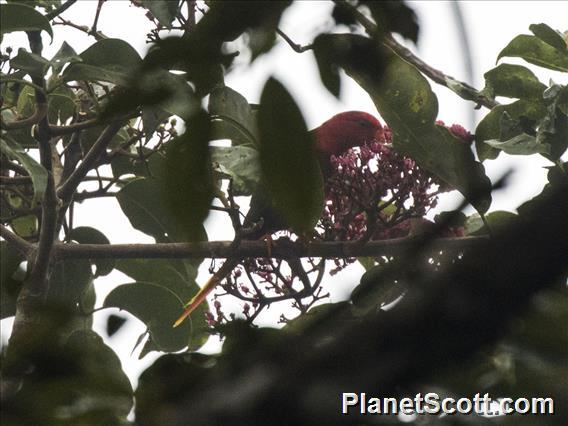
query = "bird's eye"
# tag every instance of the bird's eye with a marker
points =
(364, 123)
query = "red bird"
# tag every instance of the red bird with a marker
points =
(334, 137)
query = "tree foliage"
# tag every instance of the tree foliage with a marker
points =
(483, 304)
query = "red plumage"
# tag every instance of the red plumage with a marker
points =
(335, 136)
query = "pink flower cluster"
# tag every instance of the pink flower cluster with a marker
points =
(372, 191)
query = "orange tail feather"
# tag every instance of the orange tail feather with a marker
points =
(202, 294)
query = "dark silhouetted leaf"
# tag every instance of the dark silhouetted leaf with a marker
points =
(328, 70)
(20, 17)
(152, 117)
(163, 10)
(143, 202)
(88, 235)
(110, 60)
(64, 55)
(189, 179)
(394, 16)
(113, 324)
(288, 162)
(101, 386)
(235, 113)
(69, 281)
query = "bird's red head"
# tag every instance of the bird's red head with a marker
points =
(346, 130)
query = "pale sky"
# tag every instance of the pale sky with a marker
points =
(490, 26)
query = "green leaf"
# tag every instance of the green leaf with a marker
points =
(25, 106)
(158, 308)
(241, 163)
(69, 281)
(10, 281)
(37, 172)
(384, 290)
(234, 112)
(524, 112)
(99, 390)
(367, 262)
(64, 55)
(143, 202)
(553, 128)
(61, 104)
(88, 235)
(152, 167)
(154, 88)
(25, 226)
(19, 17)
(497, 220)
(395, 16)
(287, 159)
(405, 100)
(178, 277)
(535, 51)
(152, 117)
(549, 36)
(328, 71)
(34, 65)
(163, 10)
(513, 81)
(188, 185)
(522, 144)
(110, 60)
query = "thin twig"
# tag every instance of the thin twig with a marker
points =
(98, 35)
(462, 89)
(70, 185)
(295, 47)
(55, 13)
(97, 14)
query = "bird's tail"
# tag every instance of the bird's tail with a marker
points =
(202, 294)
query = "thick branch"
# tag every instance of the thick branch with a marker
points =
(282, 248)
(37, 284)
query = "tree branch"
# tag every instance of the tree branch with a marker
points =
(295, 47)
(71, 128)
(66, 190)
(463, 90)
(38, 115)
(55, 13)
(281, 248)
(24, 247)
